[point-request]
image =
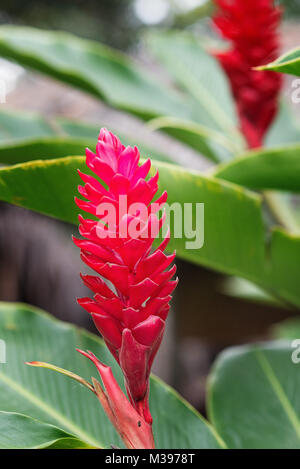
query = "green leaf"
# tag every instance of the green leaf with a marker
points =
(287, 63)
(76, 129)
(288, 329)
(57, 147)
(189, 16)
(41, 148)
(28, 136)
(92, 67)
(18, 431)
(18, 126)
(116, 79)
(52, 398)
(272, 168)
(207, 142)
(285, 128)
(253, 397)
(234, 232)
(201, 76)
(239, 288)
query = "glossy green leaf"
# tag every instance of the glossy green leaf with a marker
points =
(234, 232)
(18, 126)
(116, 79)
(276, 169)
(207, 142)
(23, 126)
(52, 398)
(202, 78)
(285, 128)
(243, 289)
(285, 131)
(90, 131)
(92, 67)
(288, 330)
(272, 168)
(287, 63)
(41, 148)
(18, 431)
(57, 147)
(253, 397)
(28, 136)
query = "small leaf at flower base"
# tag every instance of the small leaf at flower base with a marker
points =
(63, 372)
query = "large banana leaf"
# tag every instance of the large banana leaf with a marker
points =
(116, 79)
(287, 63)
(56, 147)
(97, 69)
(254, 399)
(54, 399)
(288, 330)
(277, 168)
(205, 141)
(242, 289)
(202, 78)
(28, 136)
(234, 233)
(285, 128)
(18, 126)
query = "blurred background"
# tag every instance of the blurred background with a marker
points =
(38, 263)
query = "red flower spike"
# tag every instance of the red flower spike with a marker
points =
(133, 429)
(131, 315)
(250, 26)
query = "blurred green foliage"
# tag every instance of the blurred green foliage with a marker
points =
(113, 22)
(292, 7)
(109, 21)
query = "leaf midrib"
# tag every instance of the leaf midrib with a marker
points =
(71, 426)
(279, 391)
(206, 100)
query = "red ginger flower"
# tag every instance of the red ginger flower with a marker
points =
(250, 26)
(131, 316)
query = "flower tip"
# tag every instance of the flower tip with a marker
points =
(82, 352)
(103, 134)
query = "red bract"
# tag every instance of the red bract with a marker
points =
(251, 27)
(131, 312)
(133, 429)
